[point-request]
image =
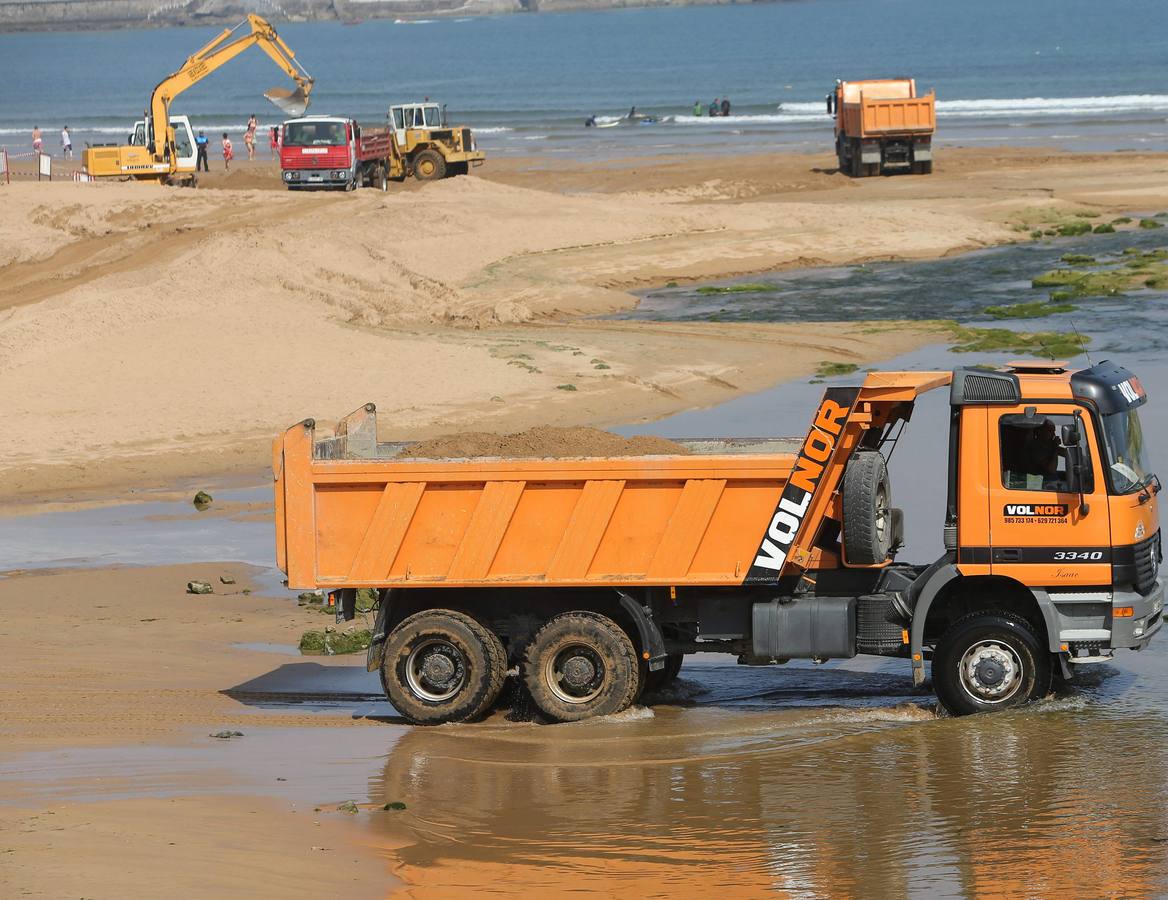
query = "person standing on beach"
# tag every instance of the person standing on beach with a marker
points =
(697, 107)
(250, 135)
(713, 109)
(66, 143)
(274, 140)
(725, 106)
(37, 143)
(201, 143)
(228, 152)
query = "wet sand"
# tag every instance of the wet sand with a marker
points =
(209, 320)
(835, 780)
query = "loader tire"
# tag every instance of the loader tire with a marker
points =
(442, 666)
(429, 165)
(867, 509)
(579, 665)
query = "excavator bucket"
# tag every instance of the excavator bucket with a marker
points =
(291, 103)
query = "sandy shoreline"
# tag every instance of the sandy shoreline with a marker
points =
(153, 335)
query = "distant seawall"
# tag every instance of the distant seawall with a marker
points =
(75, 15)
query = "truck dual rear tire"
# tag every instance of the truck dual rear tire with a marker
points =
(580, 665)
(989, 661)
(867, 513)
(442, 666)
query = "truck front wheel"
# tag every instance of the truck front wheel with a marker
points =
(442, 666)
(579, 665)
(987, 661)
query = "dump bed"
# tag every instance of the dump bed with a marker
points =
(375, 143)
(350, 512)
(886, 107)
(353, 512)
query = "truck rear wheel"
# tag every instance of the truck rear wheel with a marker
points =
(990, 660)
(442, 666)
(429, 166)
(867, 514)
(579, 665)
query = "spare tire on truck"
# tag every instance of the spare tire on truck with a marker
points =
(867, 509)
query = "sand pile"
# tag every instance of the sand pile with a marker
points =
(542, 442)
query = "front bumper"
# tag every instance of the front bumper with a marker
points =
(1135, 631)
(316, 177)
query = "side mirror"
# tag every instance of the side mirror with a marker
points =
(1076, 463)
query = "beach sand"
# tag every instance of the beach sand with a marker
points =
(125, 658)
(149, 333)
(150, 336)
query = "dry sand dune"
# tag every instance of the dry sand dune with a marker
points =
(147, 332)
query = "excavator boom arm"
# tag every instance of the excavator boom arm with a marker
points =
(215, 54)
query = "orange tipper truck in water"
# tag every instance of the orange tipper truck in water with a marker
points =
(596, 575)
(882, 125)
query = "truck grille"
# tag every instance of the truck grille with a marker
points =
(1138, 564)
(1147, 563)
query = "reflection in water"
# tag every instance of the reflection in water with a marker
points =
(1065, 797)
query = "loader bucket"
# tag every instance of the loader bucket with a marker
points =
(291, 103)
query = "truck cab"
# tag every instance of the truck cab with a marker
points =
(318, 152)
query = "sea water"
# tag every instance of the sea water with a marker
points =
(1066, 73)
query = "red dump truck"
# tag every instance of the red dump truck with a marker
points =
(882, 126)
(595, 575)
(331, 152)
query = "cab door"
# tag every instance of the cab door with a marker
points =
(1043, 533)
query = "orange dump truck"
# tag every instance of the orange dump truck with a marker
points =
(595, 576)
(882, 125)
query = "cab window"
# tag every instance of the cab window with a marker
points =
(1033, 455)
(399, 121)
(432, 117)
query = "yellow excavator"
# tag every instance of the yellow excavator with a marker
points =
(160, 154)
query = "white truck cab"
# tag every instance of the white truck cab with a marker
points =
(184, 140)
(415, 116)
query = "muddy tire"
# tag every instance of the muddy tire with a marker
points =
(988, 661)
(442, 666)
(580, 665)
(383, 178)
(662, 678)
(429, 165)
(867, 495)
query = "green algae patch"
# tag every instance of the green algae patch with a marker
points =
(1103, 229)
(831, 369)
(1057, 278)
(335, 643)
(1121, 220)
(1074, 229)
(1150, 223)
(1034, 310)
(1039, 344)
(1078, 259)
(748, 287)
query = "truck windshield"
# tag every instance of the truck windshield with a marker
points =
(313, 134)
(1127, 456)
